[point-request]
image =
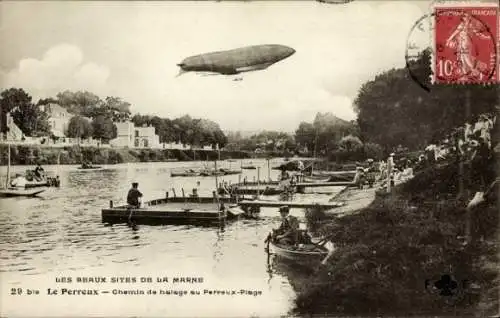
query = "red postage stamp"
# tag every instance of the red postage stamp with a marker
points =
(466, 44)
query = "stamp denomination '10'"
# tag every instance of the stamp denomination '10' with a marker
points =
(466, 45)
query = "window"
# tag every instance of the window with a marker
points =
(137, 133)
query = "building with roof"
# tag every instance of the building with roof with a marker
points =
(130, 136)
(58, 119)
(13, 132)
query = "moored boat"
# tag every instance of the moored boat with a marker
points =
(186, 173)
(90, 168)
(303, 253)
(176, 210)
(20, 192)
(249, 167)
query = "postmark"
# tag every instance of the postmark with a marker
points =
(465, 44)
(418, 43)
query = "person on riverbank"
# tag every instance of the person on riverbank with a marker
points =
(288, 232)
(359, 177)
(371, 172)
(134, 195)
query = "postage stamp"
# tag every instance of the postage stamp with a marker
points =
(466, 44)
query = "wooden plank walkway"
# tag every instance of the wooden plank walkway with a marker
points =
(324, 184)
(177, 210)
(291, 204)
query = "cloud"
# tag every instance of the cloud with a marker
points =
(62, 67)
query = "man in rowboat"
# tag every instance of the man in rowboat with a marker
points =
(288, 232)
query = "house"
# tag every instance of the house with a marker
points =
(145, 137)
(59, 119)
(13, 131)
(124, 135)
(128, 135)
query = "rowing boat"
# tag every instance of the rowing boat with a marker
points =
(250, 167)
(187, 173)
(303, 253)
(13, 192)
(90, 168)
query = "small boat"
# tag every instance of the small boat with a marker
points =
(303, 253)
(186, 173)
(20, 192)
(315, 179)
(249, 167)
(90, 167)
(230, 172)
(219, 172)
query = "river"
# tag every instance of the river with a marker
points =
(60, 235)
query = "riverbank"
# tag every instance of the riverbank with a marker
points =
(387, 251)
(28, 155)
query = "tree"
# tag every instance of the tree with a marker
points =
(350, 143)
(305, 135)
(393, 109)
(79, 127)
(47, 101)
(103, 128)
(27, 116)
(81, 102)
(117, 108)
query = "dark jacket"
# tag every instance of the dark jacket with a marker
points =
(133, 197)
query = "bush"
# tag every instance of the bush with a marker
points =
(398, 242)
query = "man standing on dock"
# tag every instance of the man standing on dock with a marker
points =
(133, 196)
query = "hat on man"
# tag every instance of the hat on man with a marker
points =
(369, 160)
(392, 154)
(284, 208)
(135, 184)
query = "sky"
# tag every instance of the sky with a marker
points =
(130, 50)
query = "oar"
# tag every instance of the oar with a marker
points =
(327, 257)
(268, 241)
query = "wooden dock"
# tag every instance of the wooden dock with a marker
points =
(291, 204)
(178, 210)
(324, 184)
(302, 185)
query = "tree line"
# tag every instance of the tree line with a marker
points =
(394, 112)
(393, 109)
(95, 117)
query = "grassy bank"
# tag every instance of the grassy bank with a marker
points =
(27, 155)
(387, 251)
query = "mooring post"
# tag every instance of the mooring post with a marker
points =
(110, 204)
(166, 196)
(183, 193)
(173, 190)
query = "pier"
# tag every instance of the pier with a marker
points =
(175, 210)
(302, 185)
(247, 204)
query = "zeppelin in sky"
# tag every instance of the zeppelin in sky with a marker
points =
(245, 59)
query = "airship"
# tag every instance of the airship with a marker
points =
(235, 61)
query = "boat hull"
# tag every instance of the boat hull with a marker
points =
(9, 193)
(315, 255)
